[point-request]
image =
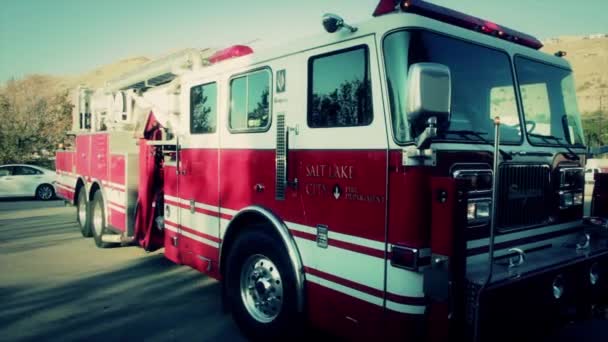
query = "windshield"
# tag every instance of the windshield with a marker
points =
(549, 102)
(482, 85)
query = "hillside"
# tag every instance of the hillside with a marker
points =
(589, 58)
(97, 77)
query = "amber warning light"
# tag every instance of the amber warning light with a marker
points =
(456, 18)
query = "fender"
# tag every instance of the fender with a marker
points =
(281, 229)
(80, 179)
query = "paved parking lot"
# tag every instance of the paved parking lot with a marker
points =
(57, 286)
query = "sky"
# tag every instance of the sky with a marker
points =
(68, 37)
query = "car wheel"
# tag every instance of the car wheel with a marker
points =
(45, 192)
(260, 287)
(82, 213)
(98, 220)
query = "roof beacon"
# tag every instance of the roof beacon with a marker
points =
(456, 18)
(231, 52)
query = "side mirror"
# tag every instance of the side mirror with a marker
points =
(333, 23)
(429, 95)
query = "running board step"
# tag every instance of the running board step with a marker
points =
(116, 238)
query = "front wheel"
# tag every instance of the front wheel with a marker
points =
(45, 192)
(261, 287)
(82, 213)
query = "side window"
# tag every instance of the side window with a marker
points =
(339, 89)
(250, 102)
(5, 171)
(25, 171)
(203, 108)
(535, 98)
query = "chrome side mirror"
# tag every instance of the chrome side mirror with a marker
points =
(333, 23)
(429, 97)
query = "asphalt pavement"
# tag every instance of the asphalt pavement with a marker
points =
(56, 285)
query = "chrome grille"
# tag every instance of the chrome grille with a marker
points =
(524, 195)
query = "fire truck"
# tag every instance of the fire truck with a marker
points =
(417, 176)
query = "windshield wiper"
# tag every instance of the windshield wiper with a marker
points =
(479, 135)
(547, 138)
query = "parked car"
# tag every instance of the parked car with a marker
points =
(27, 180)
(590, 173)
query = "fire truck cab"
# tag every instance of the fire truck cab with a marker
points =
(417, 176)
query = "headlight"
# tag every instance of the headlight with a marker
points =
(577, 198)
(558, 287)
(479, 211)
(568, 199)
(594, 274)
(571, 177)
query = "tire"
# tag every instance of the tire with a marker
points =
(45, 192)
(260, 255)
(82, 213)
(98, 220)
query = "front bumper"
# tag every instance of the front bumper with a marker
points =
(519, 303)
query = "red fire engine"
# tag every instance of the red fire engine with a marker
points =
(358, 181)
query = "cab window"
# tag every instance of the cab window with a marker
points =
(250, 102)
(339, 92)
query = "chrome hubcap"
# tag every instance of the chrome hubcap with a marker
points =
(82, 211)
(45, 192)
(261, 288)
(97, 219)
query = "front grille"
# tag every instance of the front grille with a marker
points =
(524, 195)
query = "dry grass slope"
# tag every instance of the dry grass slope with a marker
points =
(589, 59)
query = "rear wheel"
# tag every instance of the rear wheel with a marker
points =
(260, 287)
(82, 213)
(98, 220)
(45, 192)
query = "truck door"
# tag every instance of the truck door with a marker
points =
(340, 148)
(198, 180)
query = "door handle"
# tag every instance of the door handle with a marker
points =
(296, 131)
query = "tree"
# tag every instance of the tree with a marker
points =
(34, 117)
(595, 127)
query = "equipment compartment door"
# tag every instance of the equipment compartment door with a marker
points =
(83, 154)
(99, 160)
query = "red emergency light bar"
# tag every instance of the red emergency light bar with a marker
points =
(231, 52)
(456, 18)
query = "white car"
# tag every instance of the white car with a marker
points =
(27, 180)
(590, 173)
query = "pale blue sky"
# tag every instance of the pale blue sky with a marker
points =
(74, 36)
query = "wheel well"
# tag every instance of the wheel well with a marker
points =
(244, 222)
(39, 185)
(256, 217)
(79, 185)
(94, 189)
